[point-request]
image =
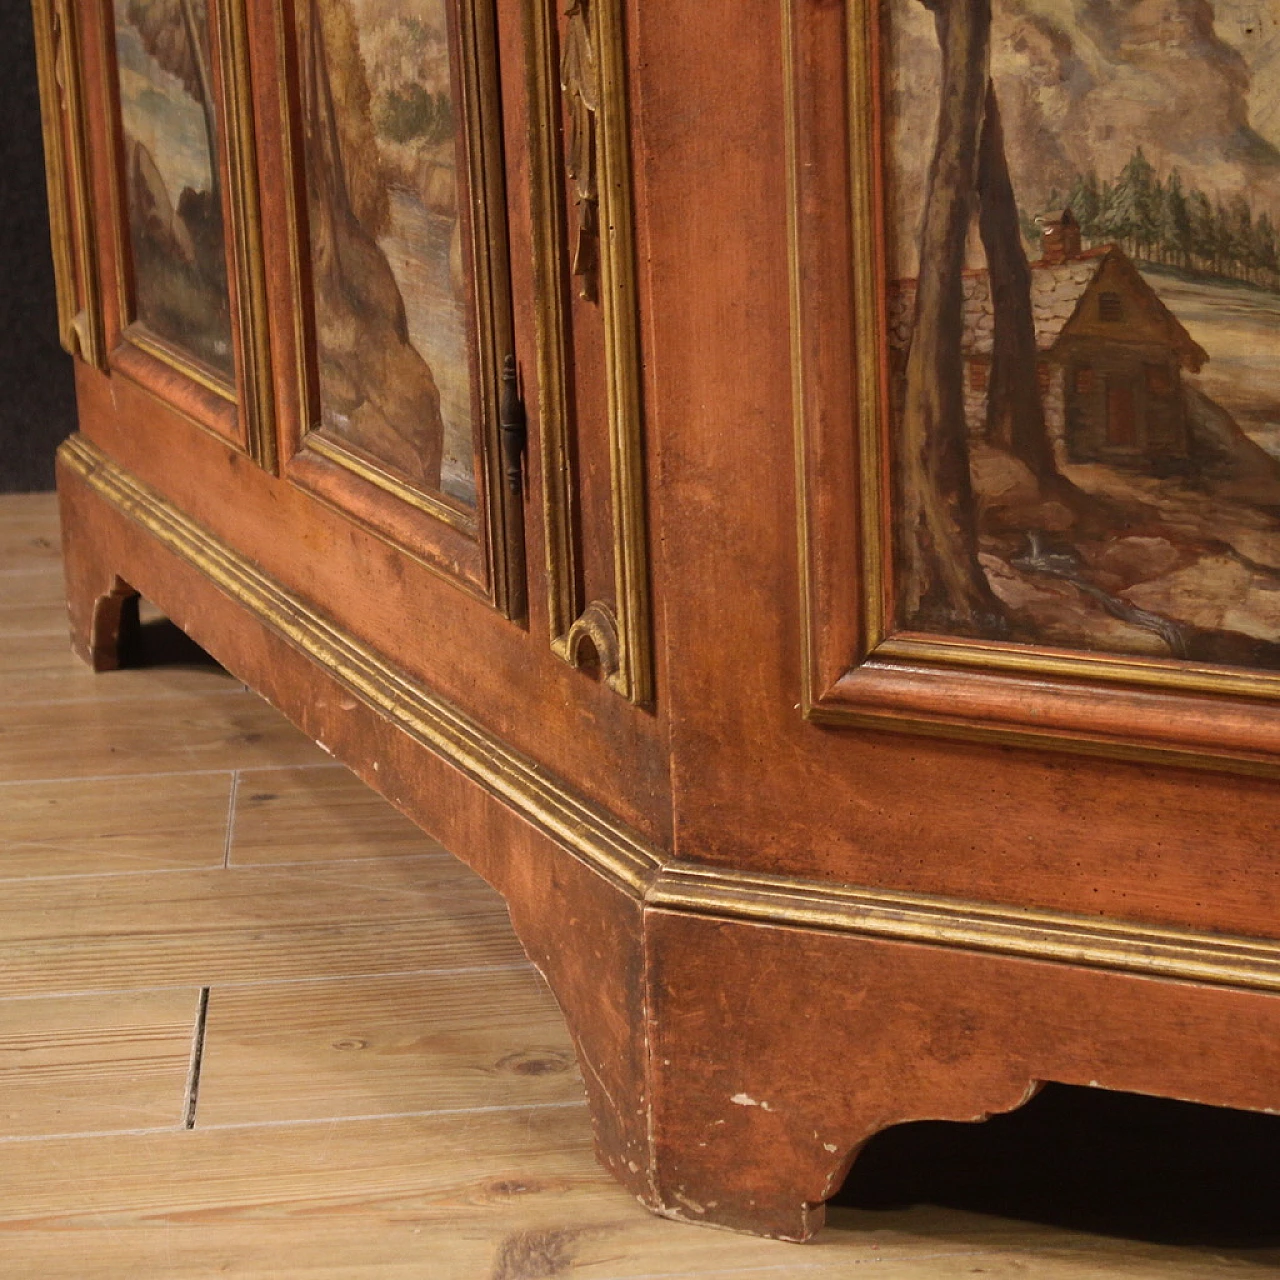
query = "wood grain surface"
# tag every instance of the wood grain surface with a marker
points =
(470, 1041)
(28, 534)
(43, 830)
(384, 1089)
(33, 601)
(174, 733)
(96, 1063)
(303, 815)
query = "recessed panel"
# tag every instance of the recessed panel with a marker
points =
(172, 179)
(389, 240)
(1082, 305)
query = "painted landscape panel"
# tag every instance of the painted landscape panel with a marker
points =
(171, 177)
(381, 114)
(1083, 323)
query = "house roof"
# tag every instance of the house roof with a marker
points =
(1056, 291)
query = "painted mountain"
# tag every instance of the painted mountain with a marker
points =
(1081, 83)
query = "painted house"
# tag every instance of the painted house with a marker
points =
(1111, 354)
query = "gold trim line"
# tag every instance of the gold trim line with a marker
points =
(1123, 946)
(64, 127)
(607, 845)
(626, 859)
(604, 266)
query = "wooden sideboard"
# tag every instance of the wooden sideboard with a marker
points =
(732, 473)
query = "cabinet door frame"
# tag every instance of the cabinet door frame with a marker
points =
(479, 549)
(859, 669)
(60, 74)
(239, 410)
(584, 255)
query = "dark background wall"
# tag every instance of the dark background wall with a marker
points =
(37, 402)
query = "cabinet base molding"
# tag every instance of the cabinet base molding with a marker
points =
(741, 1034)
(779, 1052)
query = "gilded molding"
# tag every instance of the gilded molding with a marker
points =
(1154, 673)
(1058, 937)
(499, 523)
(606, 844)
(367, 469)
(251, 391)
(580, 82)
(490, 249)
(588, 82)
(256, 395)
(173, 357)
(550, 234)
(858, 670)
(63, 125)
(622, 856)
(861, 116)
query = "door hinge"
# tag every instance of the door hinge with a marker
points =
(513, 427)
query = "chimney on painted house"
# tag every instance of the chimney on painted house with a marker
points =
(1059, 236)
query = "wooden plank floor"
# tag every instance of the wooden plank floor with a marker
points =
(253, 1024)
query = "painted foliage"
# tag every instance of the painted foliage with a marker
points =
(381, 154)
(1083, 320)
(172, 184)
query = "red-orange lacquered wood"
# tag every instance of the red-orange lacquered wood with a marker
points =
(677, 1014)
(552, 896)
(437, 629)
(779, 1052)
(756, 785)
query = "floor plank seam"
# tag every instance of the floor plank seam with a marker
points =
(798, 1268)
(78, 1134)
(162, 773)
(262, 867)
(99, 699)
(197, 1060)
(256, 983)
(295, 864)
(111, 875)
(462, 972)
(95, 991)
(299, 1122)
(295, 1123)
(231, 819)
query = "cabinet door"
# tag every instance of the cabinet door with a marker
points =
(1077, 549)
(185, 317)
(395, 223)
(401, 238)
(450, 254)
(1057, 692)
(417, 158)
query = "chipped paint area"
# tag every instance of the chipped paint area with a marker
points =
(692, 1205)
(746, 1100)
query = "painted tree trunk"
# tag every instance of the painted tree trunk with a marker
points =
(940, 580)
(204, 78)
(1015, 410)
